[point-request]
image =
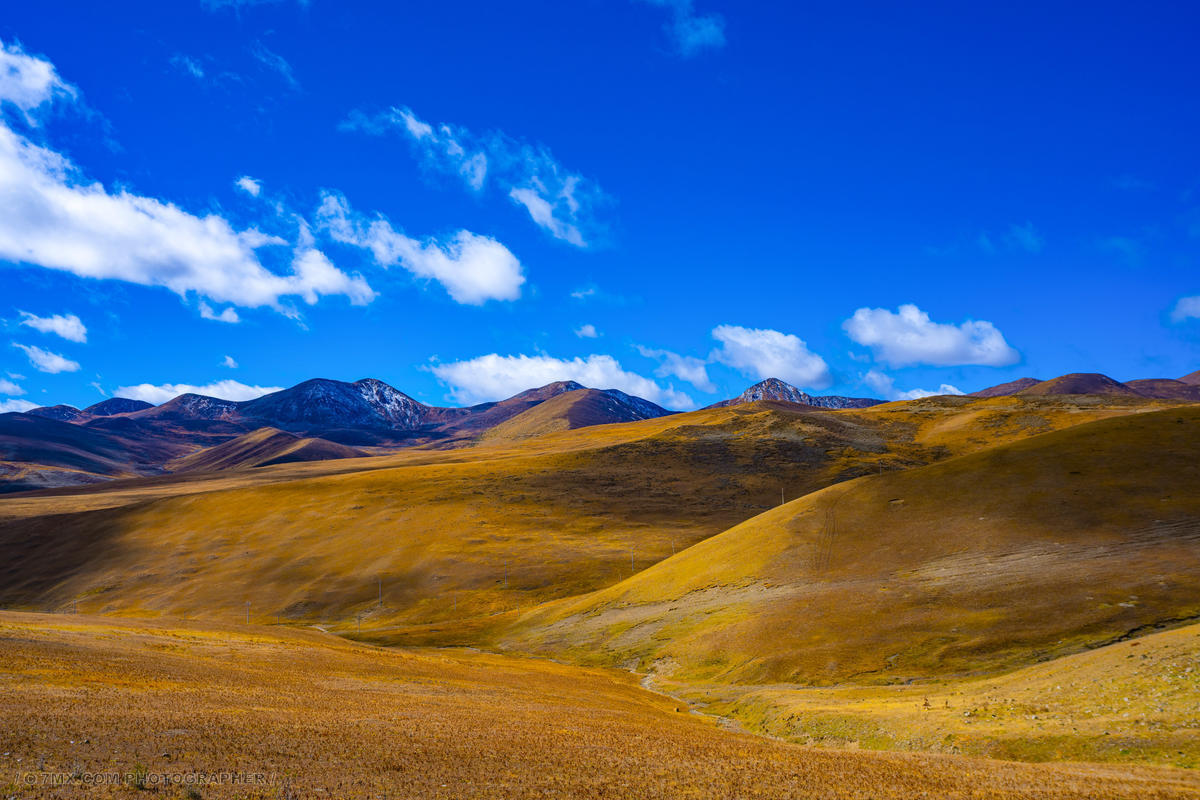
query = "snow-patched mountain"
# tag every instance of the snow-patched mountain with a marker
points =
(367, 403)
(775, 389)
(62, 413)
(117, 405)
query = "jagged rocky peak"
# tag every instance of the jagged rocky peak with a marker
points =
(391, 403)
(775, 389)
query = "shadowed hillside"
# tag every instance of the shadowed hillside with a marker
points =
(981, 562)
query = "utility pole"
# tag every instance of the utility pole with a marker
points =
(781, 500)
(247, 612)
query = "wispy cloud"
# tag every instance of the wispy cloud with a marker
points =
(1187, 308)
(473, 269)
(224, 315)
(1025, 237)
(47, 361)
(765, 353)
(495, 377)
(691, 33)
(587, 331)
(909, 336)
(276, 63)
(68, 326)
(229, 363)
(188, 65)
(10, 388)
(559, 201)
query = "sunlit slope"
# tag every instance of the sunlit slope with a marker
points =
(568, 411)
(461, 534)
(262, 447)
(980, 562)
(1131, 701)
(323, 717)
(446, 539)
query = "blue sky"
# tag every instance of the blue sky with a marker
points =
(673, 198)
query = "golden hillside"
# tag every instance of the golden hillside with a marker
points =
(977, 563)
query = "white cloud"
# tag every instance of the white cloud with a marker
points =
(584, 293)
(229, 362)
(686, 368)
(249, 185)
(587, 331)
(55, 218)
(276, 63)
(691, 32)
(27, 81)
(473, 269)
(225, 390)
(68, 326)
(96, 385)
(910, 337)
(10, 388)
(886, 386)
(225, 315)
(765, 353)
(15, 406)
(46, 361)
(561, 202)
(188, 64)
(495, 377)
(1186, 308)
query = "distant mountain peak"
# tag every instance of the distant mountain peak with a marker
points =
(775, 389)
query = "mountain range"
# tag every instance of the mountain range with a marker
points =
(323, 419)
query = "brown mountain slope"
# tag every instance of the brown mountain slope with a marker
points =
(1166, 389)
(1004, 389)
(1080, 383)
(575, 409)
(977, 563)
(262, 447)
(1192, 378)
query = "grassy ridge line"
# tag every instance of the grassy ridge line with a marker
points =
(982, 562)
(92, 694)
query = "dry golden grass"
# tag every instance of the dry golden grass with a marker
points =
(984, 562)
(331, 719)
(1133, 701)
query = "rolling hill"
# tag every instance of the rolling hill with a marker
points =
(977, 563)
(260, 448)
(579, 408)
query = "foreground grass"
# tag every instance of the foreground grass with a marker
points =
(320, 717)
(1134, 701)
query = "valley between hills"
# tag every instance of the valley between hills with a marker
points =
(576, 593)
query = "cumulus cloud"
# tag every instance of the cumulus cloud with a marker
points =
(1186, 308)
(28, 82)
(587, 331)
(225, 315)
(473, 269)
(229, 362)
(690, 32)
(495, 377)
(15, 406)
(885, 385)
(686, 368)
(765, 353)
(10, 388)
(224, 390)
(46, 361)
(56, 218)
(559, 201)
(249, 185)
(910, 337)
(68, 326)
